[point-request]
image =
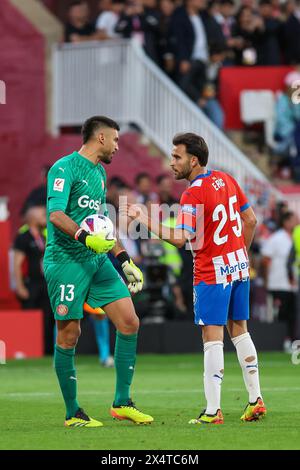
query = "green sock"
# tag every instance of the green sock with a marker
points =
(125, 354)
(66, 373)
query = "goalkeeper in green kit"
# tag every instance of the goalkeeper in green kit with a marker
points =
(77, 270)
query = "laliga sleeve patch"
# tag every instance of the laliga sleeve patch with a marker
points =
(188, 209)
(59, 184)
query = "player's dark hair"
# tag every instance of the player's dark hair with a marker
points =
(141, 176)
(194, 144)
(95, 123)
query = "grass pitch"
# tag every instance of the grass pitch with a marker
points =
(169, 387)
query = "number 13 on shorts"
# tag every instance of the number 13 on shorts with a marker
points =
(67, 292)
(68, 286)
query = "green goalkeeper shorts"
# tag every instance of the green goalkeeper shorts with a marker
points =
(70, 285)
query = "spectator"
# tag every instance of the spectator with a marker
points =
(114, 186)
(273, 221)
(108, 19)
(294, 271)
(225, 17)
(276, 251)
(185, 280)
(226, 20)
(252, 4)
(164, 190)
(102, 335)
(209, 99)
(101, 328)
(276, 9)
(288, 8)
(164, 184)
(249, 28)
(214, 30)
(190, 42)
(166, 53)
(79, 28)
(292, 33)
(131, 21)
(143, 185)
(202, 86)
(152, 29)
(287, 126)
(127, 232)
(171, 258)
(142, 23)
(28, 251)
(191, 31)
(213, 7)
(38, 196)
(104, 5)
(268, 48)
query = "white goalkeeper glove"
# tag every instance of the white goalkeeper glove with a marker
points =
(132, 273)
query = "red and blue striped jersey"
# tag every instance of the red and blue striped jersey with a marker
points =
(210, 209)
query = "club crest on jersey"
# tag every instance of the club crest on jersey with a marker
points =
(62, 310)
(59, 184)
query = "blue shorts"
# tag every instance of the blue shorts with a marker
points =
(215, 304)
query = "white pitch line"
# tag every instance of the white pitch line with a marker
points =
(145, 392)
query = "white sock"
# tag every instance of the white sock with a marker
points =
(246, 350)
(213, 375)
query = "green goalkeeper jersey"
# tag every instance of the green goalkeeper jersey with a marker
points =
(78, 188)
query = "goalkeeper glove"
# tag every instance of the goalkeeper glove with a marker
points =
(96, 243)
(132, 273)
(93, 310)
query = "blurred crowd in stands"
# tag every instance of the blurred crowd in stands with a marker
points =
(175, 33)
(286, 149)
(190, 40)
(168, 289)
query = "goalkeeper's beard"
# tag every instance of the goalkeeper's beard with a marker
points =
(107, 158)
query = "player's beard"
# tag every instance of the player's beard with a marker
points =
(107, 158)
(184, 173)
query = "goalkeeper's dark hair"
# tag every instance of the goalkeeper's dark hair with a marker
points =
(195, 145)
(94, 123)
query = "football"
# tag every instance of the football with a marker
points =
(97, 223)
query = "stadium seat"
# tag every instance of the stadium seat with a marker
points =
(259, 106)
